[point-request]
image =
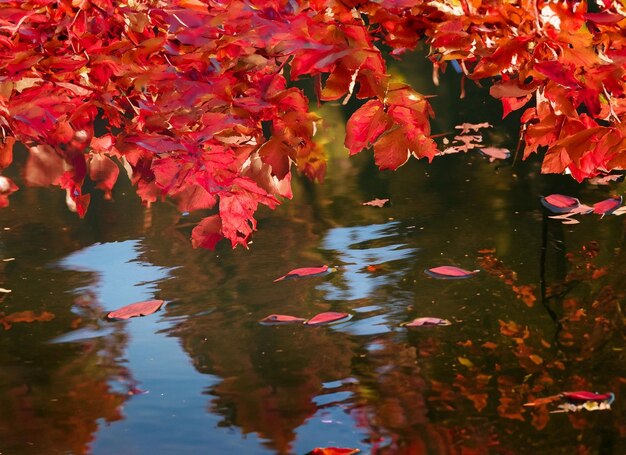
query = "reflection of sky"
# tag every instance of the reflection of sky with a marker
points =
(168, 417)
(122, 278)
(358, 247)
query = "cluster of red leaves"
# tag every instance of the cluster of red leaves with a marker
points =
(569, 59)
(195, 95)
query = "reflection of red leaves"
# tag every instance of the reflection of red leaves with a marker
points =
(427, 322)
(494, 266)
(24, 316)
(136, 309)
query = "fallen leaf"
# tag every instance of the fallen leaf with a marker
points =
(281, 319)
(588, 396)
(376, 202)
(326, 318)
(495, 153)
(606, 179)
(427, 322)
(304, 271)
(607, 206)
(136, 309)
(333, 451)
(467, 127)
(465, 362)
(450, 272)
(559, 203)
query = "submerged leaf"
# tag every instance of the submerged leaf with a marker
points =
(559, 203)
(450, 272)
(24, 316)
(304, 271)
(136, 309)
(427, 322)
(327, 318)
(281, 319)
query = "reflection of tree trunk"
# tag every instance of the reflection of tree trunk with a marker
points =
(560, 271)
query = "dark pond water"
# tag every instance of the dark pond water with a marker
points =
(203, 376)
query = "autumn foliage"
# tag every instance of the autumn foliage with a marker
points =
(197, 104)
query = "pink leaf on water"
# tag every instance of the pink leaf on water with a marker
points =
(427, 322)
(588, 396)
(304, 271)
(448, 271)
(136, 309)
(607, 206)
(376, 202)
(281, 319)
(559, 203)
(326, 318)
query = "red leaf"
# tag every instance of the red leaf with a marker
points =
(207, 233)
(136, 309)
(448, 271)
(376, 202)
(587, 396)
(304, 271)
(7, 187)
(326, 318)
(558, 72)
(333, 451)
(559, 203)
(281, 319)
(104, 172)
(365, 126)
(427, 322)
(607, 206)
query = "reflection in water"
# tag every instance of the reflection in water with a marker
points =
(359, 247)
(202, 376)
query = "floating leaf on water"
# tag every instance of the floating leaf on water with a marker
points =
(376, 202)
(606, 179)
(281, 319)
(327, 318)
(583, 396)
(450, 272)
(607, 206)
(136, 309)
(495, 153)
(559, 203)
(427, 322)
(333, 451)
(305, 271)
